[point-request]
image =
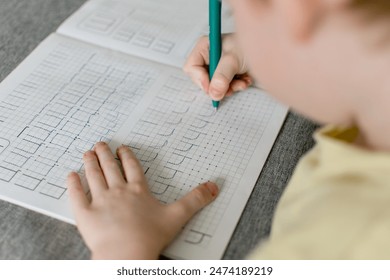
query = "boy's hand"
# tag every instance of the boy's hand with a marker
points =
(230, 75)
(124, 220)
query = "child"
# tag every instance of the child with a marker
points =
(327, 59)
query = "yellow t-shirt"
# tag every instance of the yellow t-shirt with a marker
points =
(336, 206)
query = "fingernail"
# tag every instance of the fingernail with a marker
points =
(121, 148)
(97, 145)
(101, 144)
(72, 175)
(213, 189)
(89, 154)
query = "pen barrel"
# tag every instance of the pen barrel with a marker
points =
(215, 7)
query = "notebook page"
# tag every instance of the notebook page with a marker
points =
(163, 31)
(68, 95)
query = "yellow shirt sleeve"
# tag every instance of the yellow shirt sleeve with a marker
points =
(336, 206)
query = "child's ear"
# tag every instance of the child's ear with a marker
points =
(302, 17)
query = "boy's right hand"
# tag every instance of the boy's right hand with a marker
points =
(231, 74)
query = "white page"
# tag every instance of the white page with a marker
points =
(67, 95)
(163, 31)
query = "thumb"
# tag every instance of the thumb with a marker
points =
(224, 74)
(183, 209)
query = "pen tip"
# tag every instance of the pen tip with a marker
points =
(215, 109)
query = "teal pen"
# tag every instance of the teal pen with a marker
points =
(215, 38)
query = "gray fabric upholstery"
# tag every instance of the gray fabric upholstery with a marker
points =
(28, 235)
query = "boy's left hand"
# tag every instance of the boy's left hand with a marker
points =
(124, 220)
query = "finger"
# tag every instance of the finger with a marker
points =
(191, 203)
(238, 85)
(230, 92)
(196, 64)
(248, 79)
(200, 76)
(133, 170)
(94, 174)
(76, 193)
(109, 165)
(199, 55)
(223, 76)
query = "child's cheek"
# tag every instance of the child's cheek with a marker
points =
(258, 35)
(264, 56)
(262, 38)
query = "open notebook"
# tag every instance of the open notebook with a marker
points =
(112, 72)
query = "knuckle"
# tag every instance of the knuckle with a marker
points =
(232, 60)
(138, 187)
(119, 191)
